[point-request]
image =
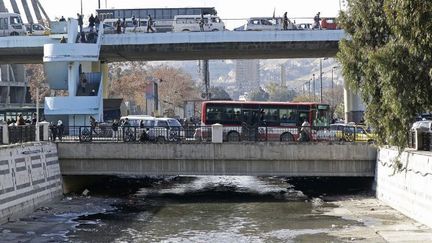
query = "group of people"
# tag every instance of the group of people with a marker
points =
(316, 24)
(93, 21)
(21, 121)
(121, 25)
(57, 130)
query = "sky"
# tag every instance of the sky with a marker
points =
(227, 9)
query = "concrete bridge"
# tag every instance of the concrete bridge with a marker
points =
(252, 159)
(187, 45)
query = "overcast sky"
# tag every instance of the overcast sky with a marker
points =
(227, 9)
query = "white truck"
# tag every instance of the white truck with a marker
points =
(11, 24)
(186, 23)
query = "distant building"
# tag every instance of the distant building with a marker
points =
(14, 92)
(247, 76)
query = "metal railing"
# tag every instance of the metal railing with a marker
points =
(22, 134)
(203, 134)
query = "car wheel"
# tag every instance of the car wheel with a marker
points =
(286, 137)
(185, 30)
(233, 137)
(215, 30)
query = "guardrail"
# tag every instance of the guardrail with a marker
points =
(197, 134)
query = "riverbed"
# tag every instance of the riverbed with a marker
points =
(218, 209)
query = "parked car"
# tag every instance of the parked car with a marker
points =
(352, 133)
(185, 23)
(108, 29)
(37, 29)
(329, 24)
(165, 129)
(304, 26)
(267, 23)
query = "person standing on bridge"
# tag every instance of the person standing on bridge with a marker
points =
(150, 24)
(285, 21)
(91, 22)
(97, 23)
(134, 23)
(201, 23)
(317, 20)
(60, 129)
(80, 22)
(118, 26)
(123, 25)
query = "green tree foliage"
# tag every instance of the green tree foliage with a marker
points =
(388, 58)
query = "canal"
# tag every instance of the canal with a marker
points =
(213, 209)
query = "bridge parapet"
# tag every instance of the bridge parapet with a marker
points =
(256, 159)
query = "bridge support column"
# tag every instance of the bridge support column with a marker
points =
(73, 78)
(354, 107)
(5, 133)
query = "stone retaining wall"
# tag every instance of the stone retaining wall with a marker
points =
(29, 176)
(408, 189)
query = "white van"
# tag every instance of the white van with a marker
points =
(267, 23)
(191, 23)
(141, 24)
(11, 24)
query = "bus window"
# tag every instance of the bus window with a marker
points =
(271, 115)
(287, 115)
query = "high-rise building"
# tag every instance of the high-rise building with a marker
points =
(247, 76)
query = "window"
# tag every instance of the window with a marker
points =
(162, 124)
(271, 115)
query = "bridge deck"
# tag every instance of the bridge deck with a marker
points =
(257, 159)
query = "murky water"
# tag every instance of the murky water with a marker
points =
(198, 209)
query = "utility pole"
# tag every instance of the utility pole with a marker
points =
(98, 4)
(206, 79)
(321, 94)
(81, 8)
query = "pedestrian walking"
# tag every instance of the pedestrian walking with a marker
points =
(149, 24)
(91, 22)
(118, 26)
(80, 22)
(123, 25)
(285, 21)
(201, 23)
(134, 23)
(93, 125)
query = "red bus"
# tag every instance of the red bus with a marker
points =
(268, 121)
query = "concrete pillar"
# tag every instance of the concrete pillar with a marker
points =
(44, 127)
(354, 107)
(105, 80)
(5, 133)
(73, 78)
(217, 133)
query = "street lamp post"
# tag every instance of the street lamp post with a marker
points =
(313, 86)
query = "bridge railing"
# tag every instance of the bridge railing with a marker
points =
(203, 134)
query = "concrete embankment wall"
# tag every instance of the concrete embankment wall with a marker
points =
(29, 177)
(253, 159)
(409, 189)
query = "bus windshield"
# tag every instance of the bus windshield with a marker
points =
(322, 116)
